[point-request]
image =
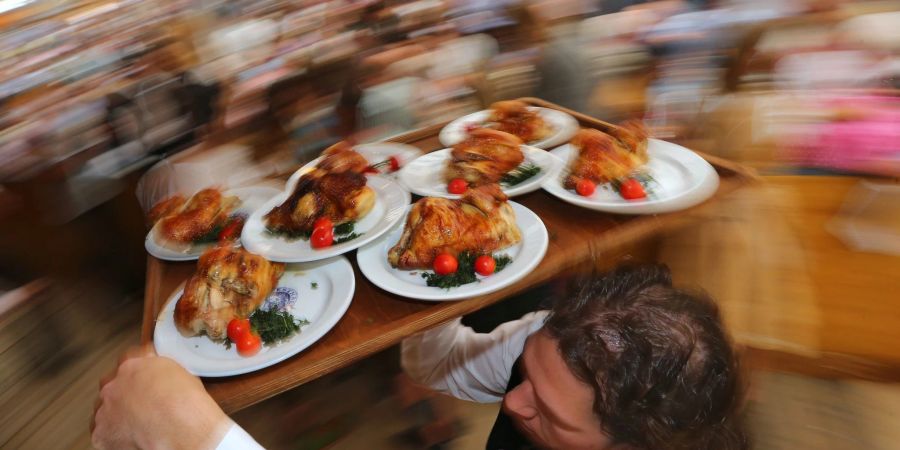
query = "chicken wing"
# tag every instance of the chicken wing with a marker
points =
(206, 210)
(602, 157)
(484, 157)
(480, 222)
(336, 189)
(229, 283)
(514, 117)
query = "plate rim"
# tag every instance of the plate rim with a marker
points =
(697, 193)
(343, 307)
(556, 164)
(550, 142)
(442, 295)
(346, 247)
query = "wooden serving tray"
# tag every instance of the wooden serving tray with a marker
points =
(377, 320)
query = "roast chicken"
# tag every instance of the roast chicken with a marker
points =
(480, 222)
(335, 188)
(184, 222)
(514, 117)
(484, 157)
(229, 283)
(602, 157)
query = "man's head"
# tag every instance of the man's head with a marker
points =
(629, 361)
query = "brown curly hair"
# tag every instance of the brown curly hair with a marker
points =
(663, 371)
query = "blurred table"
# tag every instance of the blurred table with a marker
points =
(377, 320)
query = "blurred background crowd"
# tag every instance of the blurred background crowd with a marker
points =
(108, 106)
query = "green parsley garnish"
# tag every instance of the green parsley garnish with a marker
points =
(314, 285)
(520, 174)
(275, 326)
(344, 228)
(344, 232)
(465, 272)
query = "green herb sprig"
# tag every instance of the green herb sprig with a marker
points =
(275, 326)
(520, 174)
(465, 272)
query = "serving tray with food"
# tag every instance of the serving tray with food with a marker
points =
(538, 127)
(379, 318)
(239, 312)
(331, 208)
(183, 228)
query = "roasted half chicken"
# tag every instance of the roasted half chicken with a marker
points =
(184, 222)
(602, 157)
(229, 283)
(484, 157)
(336, 189)
(515, 118)
(480, 222)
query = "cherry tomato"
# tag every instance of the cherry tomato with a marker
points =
(232, 230)
(485, 265)
(322, 237)
(394, 163)
(237, 327)
(323, 222)
(457, 186)
(632, 189)
(585, 188)
(445, 264)
(248, 344)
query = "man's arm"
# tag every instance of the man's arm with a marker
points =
(456, 360)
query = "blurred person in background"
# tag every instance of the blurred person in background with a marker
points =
(626, 361)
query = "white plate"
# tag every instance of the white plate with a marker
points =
(390, 203)
(425, 175)
(681, 179)
(374, 154)
(252, 197)
(564, 127)
(526, 255)
(322, 307)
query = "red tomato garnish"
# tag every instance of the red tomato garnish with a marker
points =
(394, 163)
(485, 265)
(323, 222)
(457, 186)
(237, 328)
(585, 187)
(232, 230)
(445, 264)
(632, 189)
(248, 344)
(322, 237)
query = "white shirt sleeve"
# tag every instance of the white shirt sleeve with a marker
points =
(238, 439)
(455, 360)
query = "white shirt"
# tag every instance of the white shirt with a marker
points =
(452, 359)
(455, 360)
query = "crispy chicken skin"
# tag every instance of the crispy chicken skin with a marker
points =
(203, 212)
(484, 157)
(602, 157)
(336, 189)
(481, 222)
(514, 117)
(229, 283)
(165, 208)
